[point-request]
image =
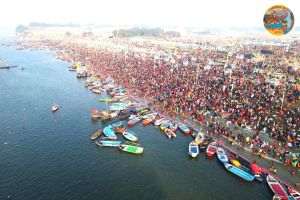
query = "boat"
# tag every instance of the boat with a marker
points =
(222, 155)
(169, 133)
(131, 149)
(211, 149)
(96, 134)
(293, 194)
(239, 172)
(257, 171)
(117, 124)
(108, 143)
(173, 127)
(148, 121)
(106, 99)
(276, 187)
(109, 132)
(130, 136)
(199, 139)
(165, 124)
(184, 128)
(54, 108)
(159, 121)
(235, 162)
(120, 130)
(193, 149)
(96, 91)
(133, 121)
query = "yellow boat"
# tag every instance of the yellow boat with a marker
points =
(235, 162)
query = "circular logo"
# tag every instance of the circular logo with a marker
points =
(279, 20)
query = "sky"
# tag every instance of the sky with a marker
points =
(197, 13)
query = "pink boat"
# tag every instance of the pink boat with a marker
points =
(277, 188)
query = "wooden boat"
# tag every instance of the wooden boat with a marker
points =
(193, 149)
(184, 128)
(130, 136)
(276, 187)
(131, 149)
(133, 121)
(54, 108)
(108, 143)
(211, 149)
(109, 132)
(96, 134)
(222, 155)
(293, 194)
(169, 133)
(239, 172)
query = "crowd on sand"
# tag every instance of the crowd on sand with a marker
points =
(232, 85)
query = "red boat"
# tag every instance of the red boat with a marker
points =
(211, 149)
(257, 171)
(277, 188)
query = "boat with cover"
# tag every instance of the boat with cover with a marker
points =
(108, 143)
(239, 172)
(130, 136)
(96, 134)
(131, 149)
(193, 149)
(211, 149)
(276, 187)
(109, 132)
(222, 155)
(184, 128)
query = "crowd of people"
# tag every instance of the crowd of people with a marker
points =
(258, 95)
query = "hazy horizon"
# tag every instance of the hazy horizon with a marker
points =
(189, 13)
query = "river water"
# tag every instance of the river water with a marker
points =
(50, 156)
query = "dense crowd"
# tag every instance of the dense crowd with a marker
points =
(246, 92)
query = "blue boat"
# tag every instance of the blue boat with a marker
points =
(109, 132)
(108, 143)
(239, 172)
(222, 155)
(184, 128)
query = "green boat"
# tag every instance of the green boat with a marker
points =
(131, 149)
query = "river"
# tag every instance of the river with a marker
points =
(47, 155)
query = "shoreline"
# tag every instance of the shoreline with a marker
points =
(191, 123)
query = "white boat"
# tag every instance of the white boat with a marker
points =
(222, 155)
(130, 136)
(193, 149)
(54, 108)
